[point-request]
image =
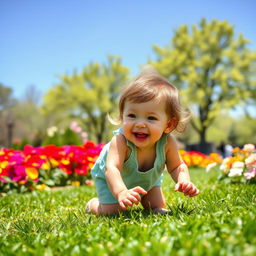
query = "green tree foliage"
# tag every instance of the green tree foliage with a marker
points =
(67, 137)
(29, 121)
(6, 115)
(88, 96)
(243, 131)
(214, 69)
(6, 100)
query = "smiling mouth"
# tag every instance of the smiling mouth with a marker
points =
(139, 135)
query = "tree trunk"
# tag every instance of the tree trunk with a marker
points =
(102, 127)
(202, 135)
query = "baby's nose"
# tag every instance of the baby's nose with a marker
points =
(140, 124)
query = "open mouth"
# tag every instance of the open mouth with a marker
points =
(140, 135)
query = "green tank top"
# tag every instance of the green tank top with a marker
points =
(131, 175)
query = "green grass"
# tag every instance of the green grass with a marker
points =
(220, 221)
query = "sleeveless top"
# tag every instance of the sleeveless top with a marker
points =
(130, 173)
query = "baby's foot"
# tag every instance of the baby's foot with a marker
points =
(88, 207)
(161, 211)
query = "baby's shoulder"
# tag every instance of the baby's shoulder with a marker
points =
(119, 141)
(171, 144)
(118, 145)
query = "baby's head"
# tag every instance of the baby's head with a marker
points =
(151, 85)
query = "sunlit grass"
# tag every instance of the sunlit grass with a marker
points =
(220, 221)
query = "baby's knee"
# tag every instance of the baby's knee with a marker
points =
(154, 199)
(153, 204)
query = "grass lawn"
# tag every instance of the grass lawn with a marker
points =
(220, 221)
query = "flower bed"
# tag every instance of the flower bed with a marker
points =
(240, 167)
(48, 166)
(198, 159)
(38, 167)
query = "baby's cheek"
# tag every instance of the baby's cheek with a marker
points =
(126, 131)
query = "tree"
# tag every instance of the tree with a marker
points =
(213, 69)
(88, 96)
(6, 100)
(6, 115)
(29, 119)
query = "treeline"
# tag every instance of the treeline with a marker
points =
(213, 67)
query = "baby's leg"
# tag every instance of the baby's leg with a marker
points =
(154, 199)
(95, 207)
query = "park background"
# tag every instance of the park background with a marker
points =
(58, 59)
(62, 67)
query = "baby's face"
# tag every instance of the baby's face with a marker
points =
(144, 123)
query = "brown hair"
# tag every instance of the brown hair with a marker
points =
(151, 85)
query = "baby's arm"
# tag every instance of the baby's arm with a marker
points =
(116, 157)
(179, 170)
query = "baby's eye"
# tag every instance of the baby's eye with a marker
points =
(152, 118)
(131, 115)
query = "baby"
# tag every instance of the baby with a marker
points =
(130, 167)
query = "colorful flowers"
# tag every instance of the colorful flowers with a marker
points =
(250, 163)
(241, 166)
(198, 159)
(237, 169)
(43, 167)
(34, 163)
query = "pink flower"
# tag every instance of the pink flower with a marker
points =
(251, 160)
(251, 173)
(18, 173)
(78, 129)
(73, 125)
(89, 183)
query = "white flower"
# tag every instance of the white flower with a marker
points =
(210, 166)
(224, 166)
(51, 131)
(237, 169)
(225, 160)
(235, 172)
(238, 164)
(249, 147)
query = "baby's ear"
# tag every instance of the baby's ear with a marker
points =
(171, 125)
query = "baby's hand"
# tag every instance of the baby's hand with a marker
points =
(130, 197)
(188, 188)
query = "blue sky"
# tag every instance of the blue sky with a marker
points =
(41, 39)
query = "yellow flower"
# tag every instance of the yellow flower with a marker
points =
(75, 183)
(3, 164)
(32, 173)
(65, 162)
(42, 187)
(53, 162)
(46, 166)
